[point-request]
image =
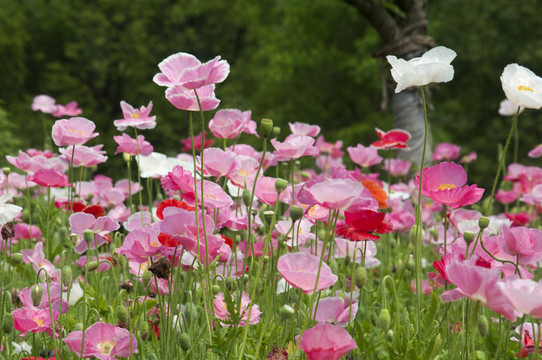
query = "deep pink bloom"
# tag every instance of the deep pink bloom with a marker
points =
(393, 139)
(213, 196)
(336, 310)
(362, 225)
(103, 341)
(143, 243)
(300, 270)
(71, 109)
(294, 147)
(198, 139)
(49, 178)
(302, 129)
(44, 103)
(397, 167)
(33, 319)
(36, 257)
(137, 118)
(536, 152)
(445, 151)
(84, 155)
(178, 179)
(185, 99)
(326, 342)
(73, 131)
(221, 311)
(506, 197)
(445, 184)
(131, 146)
(31, 164)
(24, 231)
(46, 153)
(187, 71)
(523, 242)
(229, 123)
(364, 156)
(525, 295)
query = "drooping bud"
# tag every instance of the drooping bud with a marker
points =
(384, 319)
(190, 313)
(286, 312)
(483, 325)
(184, 341)
(483, 222)
(334, 266)
(413, 234)
(91, 266)
(122, 314)
(469, 237)
(67, 275)
(280, 184)
(266, 127)
(36, 294)
(296, 213)
(8, 323)
(78, 326)
(390, 335)
(360, 277)
(146, 278)
(216, 289)
(144, 330)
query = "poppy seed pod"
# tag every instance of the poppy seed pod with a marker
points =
(266, 127)
(280, 184)
(483, 222)
(483, 325)
(469, 237)
(296, 213)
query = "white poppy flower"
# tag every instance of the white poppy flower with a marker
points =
(521, 86)
(433, 67)
(508, 108)
(158, 165)
(8, 212)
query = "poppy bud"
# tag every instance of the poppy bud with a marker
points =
(246, 197)
(276, 131)
(122, 315)
(36, 293)
(483, 325)
(360, 277)
(6, 170)
(67, 275)
(127, 157)
(184, 341)
(216, 289)
(266, 127)
(296, 213)
(384, 319)
(390, 335)
(146, 277)
(89, 236)
(91, 266)
(17, 258)
(483, 222)
(144, 330)
(280, 184)
(413, 234)
(8, 323)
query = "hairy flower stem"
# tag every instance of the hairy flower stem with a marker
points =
(139, 181)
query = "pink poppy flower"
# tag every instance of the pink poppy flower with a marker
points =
(397, 167)
(302, 129)
(364, 156)
(31, 164)
(45, 153)
(84, 155)
(222, 313)
(25, 231)
(219, 162)
(467, 159)
(130, 146)
(525, 295)
(198, 139)
(136, 118)
(300, 270)
(33, 319)
(523, 242)
(445, 184)
(185, 99)
(326, 342)
(267, 193)
(79, 222)
(141, 244)
(178, 179)
(336, 194)
(506, 197)
(187, 71)
(213, 196)
(49, 178)
(134, 221)
(294, 147)
(73, 131)
(536, 152)
(71, 109)
(393, 139)
(36, 257)
(299, 234)
(229, 123)
(445, 151)
(333, 150)
(103, 341)
(335, 310)
(44, 103)
(246, 172)
(55, 291)
(528, 339)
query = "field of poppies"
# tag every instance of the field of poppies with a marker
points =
(228, 251)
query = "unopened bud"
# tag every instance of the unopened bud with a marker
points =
(266, 127)
(127, 157)
(115, 257)
(286, 312)
(413, 234)
(74, 238)
(483, 222)
(469, 237)
(276, 131)
(17, 258)
(360, 277)
(8, 323)
(190, 313)
(334, 266)
(122, 314)
(78, 326)
(296, 213)
(89, 236)
(184, 342)
(246, 197)
(280, 184)
(144, 330)
(91, 266)
(384, 319)
(390, 335)
(36, 294)
(67, 275)
(146, 278)
(483, 325)
(216, 289)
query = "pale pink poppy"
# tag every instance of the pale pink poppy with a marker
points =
(103, 265)
(326, 342)
(134, 221)
(54, 292)
(100, 227)
(397, 167)
(327, 162)
(185, 99)
(73, 131)
(46, 153)
(299, 234)
(445, 151)
(36, 257)
(137, 118)
(178, 179)
(525, 295)
(131, 146)
(331, 149)
(294, 147)
(336, 194)
(103, 341)
(44, 103)
(302, 129)
(335, 310)
(222, 313)
(536, 152)
(230, 123)
(199, 140)
(229, 219)
(523, 242)
(364, 156)
(467, 159)
(31, 164)
(246, 172)
(213, 195)
(445, 184)
(71, 109)
(267, 193)
(84, 155)
(218, 162)
(393, 139)
(49, 178)
(141, 244)
(300, 270)
(33, 319)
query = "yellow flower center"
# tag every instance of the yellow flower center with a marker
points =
(242, 173)
(135, 116)
(106, 346)
(39, 321)
(154, 243)
(525, 88)
(210, 196)
(76, 131)
(446, 186)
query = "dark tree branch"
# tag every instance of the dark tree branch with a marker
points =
(380, 19)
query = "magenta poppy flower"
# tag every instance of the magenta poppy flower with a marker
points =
(446, 151)
(103, 341)
(506, 197)
(198, 140)
(44, 103)
(230, 123)
(33, 319)
(186, 70)
(445, 184)
(71, 109)
(136, 118)
(397, 167)
(536, 152)
(49, 178)
(36, 257)
(73, 131)
(302, 129)
(362, 225)
(141, 244)
(364, 156)
(185, 99)
(25, 231)
(393, 139)
(336, 310)
(131, 146)
(294, 147)
(523, 242)
(222, 313)
(84, 155)
(300, 270)
(326, 342)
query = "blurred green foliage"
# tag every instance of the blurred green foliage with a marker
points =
(291, 60)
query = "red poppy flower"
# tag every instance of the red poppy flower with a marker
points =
(168, 240)
(228, 241)
(172, 202)
(362, 225)
(393, 139)
(77, 206)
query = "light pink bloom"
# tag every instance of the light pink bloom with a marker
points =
(70, 109)
(300, 270)
(143, 243)
(331, 149)
(326, 342)
(130, 146)
(536, 152)
(103, 341)
(187, 71)
(79, 222)
(246, 172)
(213, 196)
(445, 184)
(31, 164)
(300, 233)
(134, 221)
(335, 310)
(229, 123)
(302, 129)
(44, 103)
(36, 257)
(336, 194)
(446, 151)
(397, 167)
(55, 291)
(73, 131)
(523, 242)
(221, 311)
(178, 179)
(184, 99)
(199, 141)
(219, 162)
(525, 295)
(84, 155)
(137, 118)
(46, 153)
(294, 147)
(49, 178)
(467, 159)
(267, 193)
(364, 156)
